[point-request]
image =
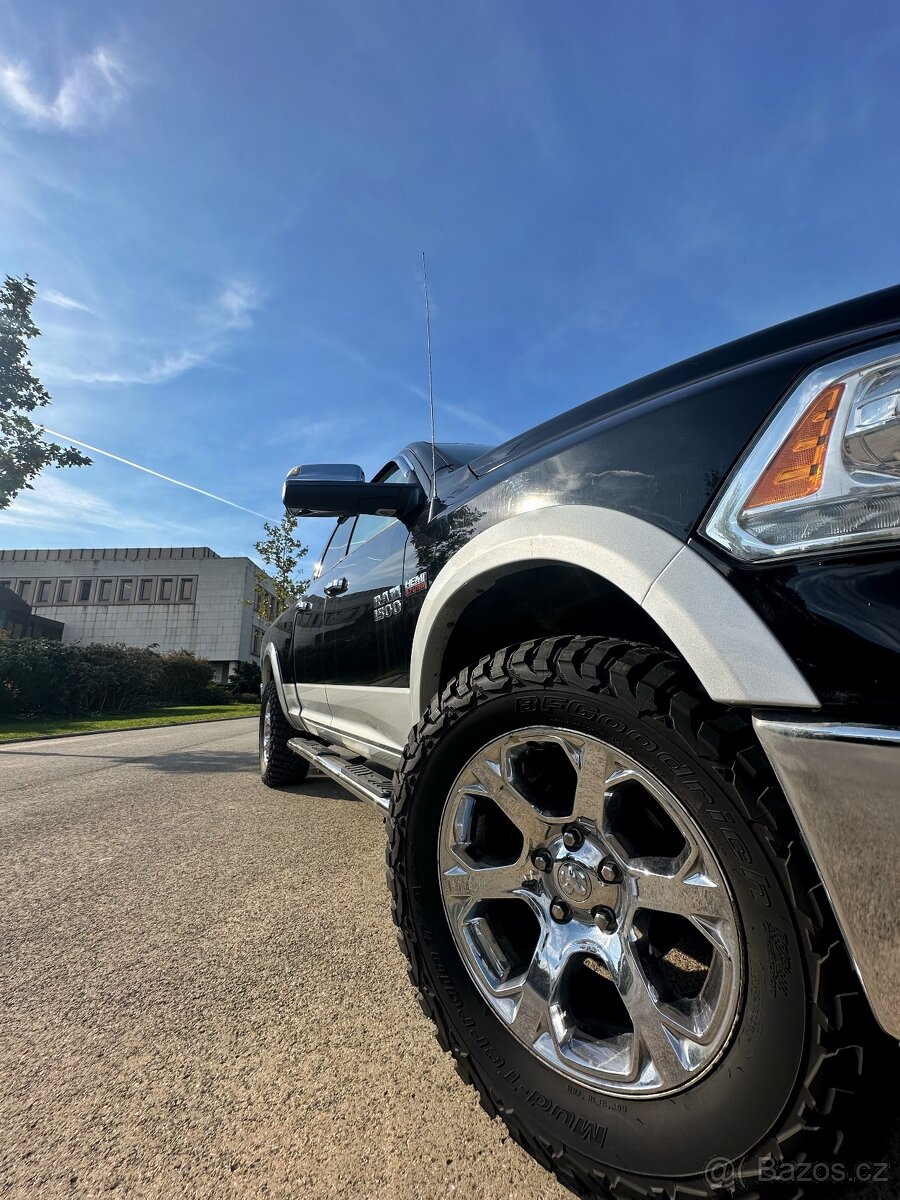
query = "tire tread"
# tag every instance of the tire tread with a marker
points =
(660, 685)
(284, 766)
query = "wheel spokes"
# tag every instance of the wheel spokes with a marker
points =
(594, 763)
(655, 1047)
(510, 802)
(531, 1016)
(540, 985)
(686, 893)
(468, 883)
(591, 911)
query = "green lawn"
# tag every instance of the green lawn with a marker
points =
(11, 731)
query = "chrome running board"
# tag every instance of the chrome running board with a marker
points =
(357, 778)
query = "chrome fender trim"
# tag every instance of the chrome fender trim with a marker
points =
(843, 785)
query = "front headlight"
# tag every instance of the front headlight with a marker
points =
(825, 471)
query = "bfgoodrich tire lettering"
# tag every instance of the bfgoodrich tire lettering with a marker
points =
(783, 1085)
(279, 766)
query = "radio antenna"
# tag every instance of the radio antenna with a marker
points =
(430, 392)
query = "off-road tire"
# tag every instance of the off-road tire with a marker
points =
(282, 766)
(784, 1088)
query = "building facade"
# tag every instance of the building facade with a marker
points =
(172, 598)
(18, 621)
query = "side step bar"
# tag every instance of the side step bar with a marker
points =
(357, 778)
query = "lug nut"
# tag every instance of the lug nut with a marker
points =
(604, 918)
(542, 860)
(610, 871)
(560, 911)
(573, 838)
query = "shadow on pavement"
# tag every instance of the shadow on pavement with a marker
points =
(200, 762)
(204, 762)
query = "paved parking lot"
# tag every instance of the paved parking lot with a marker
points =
(202, 994)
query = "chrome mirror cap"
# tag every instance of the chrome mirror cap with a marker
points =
(328, 473)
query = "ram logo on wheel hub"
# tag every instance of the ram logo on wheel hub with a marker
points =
(574, 881)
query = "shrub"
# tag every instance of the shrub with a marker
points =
(245, 678)
(38, 676)
(184, 678)
(42, 677)
(216, 693)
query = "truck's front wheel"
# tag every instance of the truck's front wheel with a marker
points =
(609, 917)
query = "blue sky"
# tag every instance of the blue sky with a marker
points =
(224, 206)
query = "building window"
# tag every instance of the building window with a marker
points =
(126, 587)
(64, 591)
(23, 589)
(104, 591)
(84, 591)
(145, 590)
(257, 641)
(185, 589)
(43, 591)
(165, 589)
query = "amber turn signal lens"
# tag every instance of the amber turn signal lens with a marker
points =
(796, 470)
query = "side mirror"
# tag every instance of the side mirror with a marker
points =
(340, 490)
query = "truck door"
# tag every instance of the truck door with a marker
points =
(364, 646)
(308, 664)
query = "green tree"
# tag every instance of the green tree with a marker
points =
(23, 451)
(281, 552)
(245, 679)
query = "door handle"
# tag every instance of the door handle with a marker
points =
(336, 587)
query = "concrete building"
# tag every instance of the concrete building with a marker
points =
(176, 598)
(18, 621)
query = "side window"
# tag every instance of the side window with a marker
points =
(335, 548)
(369, 524)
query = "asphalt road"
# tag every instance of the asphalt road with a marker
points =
(202, 994)
(201, 990)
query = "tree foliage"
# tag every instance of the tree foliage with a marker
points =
(23, 451)
(245, 679)
(281, 552)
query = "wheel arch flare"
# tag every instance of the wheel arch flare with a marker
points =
(726, 644)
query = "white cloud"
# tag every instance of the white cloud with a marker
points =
(61, 300)
(161, 371)
(70, 511)
(234, 306)
(230, 310)
(88, 95)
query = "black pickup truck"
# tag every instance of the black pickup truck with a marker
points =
(628, 688)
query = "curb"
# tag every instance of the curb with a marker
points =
(57, 737)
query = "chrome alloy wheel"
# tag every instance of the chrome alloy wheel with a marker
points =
(265, 744)
(591, 912)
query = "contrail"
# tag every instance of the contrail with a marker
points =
(159, 475)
